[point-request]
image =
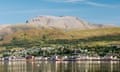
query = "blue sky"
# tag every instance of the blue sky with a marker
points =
(95, 11)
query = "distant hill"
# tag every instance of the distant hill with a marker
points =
(3, 26)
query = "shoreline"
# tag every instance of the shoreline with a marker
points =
(63, 60)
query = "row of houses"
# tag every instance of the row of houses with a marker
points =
(62, 58)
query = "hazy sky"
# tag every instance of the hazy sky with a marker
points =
(95, 11)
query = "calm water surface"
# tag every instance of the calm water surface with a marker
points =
(64, 66)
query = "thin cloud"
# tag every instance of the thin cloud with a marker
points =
(99, 4)
(86, 2)
(67, 1)
(74, 0)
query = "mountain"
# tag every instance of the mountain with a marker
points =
(64, 22)
(62, 27)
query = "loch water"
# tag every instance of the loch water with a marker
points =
(59, 66)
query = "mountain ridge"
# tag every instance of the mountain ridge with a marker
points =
(65, 22)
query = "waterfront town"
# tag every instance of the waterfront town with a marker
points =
(55, 54)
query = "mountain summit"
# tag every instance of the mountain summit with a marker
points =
(64, 22)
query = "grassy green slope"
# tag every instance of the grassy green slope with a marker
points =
(87, 37)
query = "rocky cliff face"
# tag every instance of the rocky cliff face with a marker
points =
(64, 22)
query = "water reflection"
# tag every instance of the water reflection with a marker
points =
(64, 66)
